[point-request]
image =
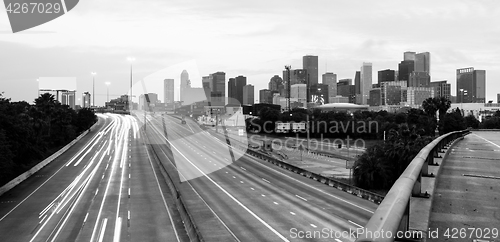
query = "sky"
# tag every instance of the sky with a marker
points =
(252, 38)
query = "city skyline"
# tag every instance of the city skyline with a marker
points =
(255, 50)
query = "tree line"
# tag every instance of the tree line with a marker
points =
(406, 133)
(30, 133)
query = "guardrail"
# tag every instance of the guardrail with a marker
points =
(14, 182)
(392, 215)
(356, 191)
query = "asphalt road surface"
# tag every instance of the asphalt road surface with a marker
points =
(104, 188)
(466, 203)
(234, 197)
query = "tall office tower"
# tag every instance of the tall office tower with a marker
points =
(185, 83)
(404, 69)
(248, 94)
(275, 83)
(357, 82)
(168, 91)
(409, 55)
(471, 85)
(419, 79)
(365, 82)
(346, 89)
(310, 63)
(423, 62)
(215, 88)
(86, 100)
(299, 92)
(299, 76)
(266, 96)
(375, 97)
(207, 86)
(386, 76)
(235, 89)
(231, 91)
(330, 79)
(441, 89)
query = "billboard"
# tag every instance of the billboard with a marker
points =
(57, 83)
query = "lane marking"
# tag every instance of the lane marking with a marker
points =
(266, 180)
(487, 141)
(354, 223)
(314, 226)
(301, 198)
(276, 203)
(118, 228)
(103, 229)
(292, 213)
(252, 188)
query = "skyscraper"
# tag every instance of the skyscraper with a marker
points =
(423, 62)
(266, 96)
(419, 79)
(330, 79)
(357, 82)
(185, 83)
(365, 83)
(441, 89)
(168, 91)
(404, 69)
(248, 94)
(276, 83)
(215, 88)
(386, 76)
(471, 85)
(235, 89)
(346, 89)
(409, 56)
(310, 63)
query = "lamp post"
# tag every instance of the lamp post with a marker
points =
(107, 90)
(131, 59)
(93, 88)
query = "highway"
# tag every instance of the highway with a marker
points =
(105, 188)
(467, 197)
(234, 197)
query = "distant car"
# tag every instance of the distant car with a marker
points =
(183, 121)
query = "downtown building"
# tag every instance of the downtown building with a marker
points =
(168, 91)
(184, 85)
(441, 89)
(266, 96)
(471, 85)
(330, 79)
(214, 86)
(248, 95)
(86, 101)
(365, 83)
(235, 89)
(345, 89)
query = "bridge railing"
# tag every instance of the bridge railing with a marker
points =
(392, 215)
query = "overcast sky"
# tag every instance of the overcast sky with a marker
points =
(251, 38)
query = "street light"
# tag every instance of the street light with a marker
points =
(107, 87)
(131, 59)
(93, 87)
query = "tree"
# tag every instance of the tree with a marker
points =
(453, 121)
(471, 121)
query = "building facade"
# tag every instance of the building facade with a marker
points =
(185, 84)
(330, 79)
(441, 89)
(471, 85)
(310, 64)
(169, 90)
(365, 82)
(248, 95)
(386, 76)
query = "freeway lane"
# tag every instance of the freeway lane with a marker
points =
(264, 201)
(105, 188)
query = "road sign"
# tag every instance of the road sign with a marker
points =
(240, 132)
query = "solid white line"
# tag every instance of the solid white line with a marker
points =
(275, 203)
(292, 213)
(103, 229)
(354, 223)
(243, 168)
(44, 217)
(314, 226)
(252, 188)
(337, 240)
(263, 195)
(85, 219)
(488, 141)
(266, 180)
(118, 228)
(128, 214)
(301, 198)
